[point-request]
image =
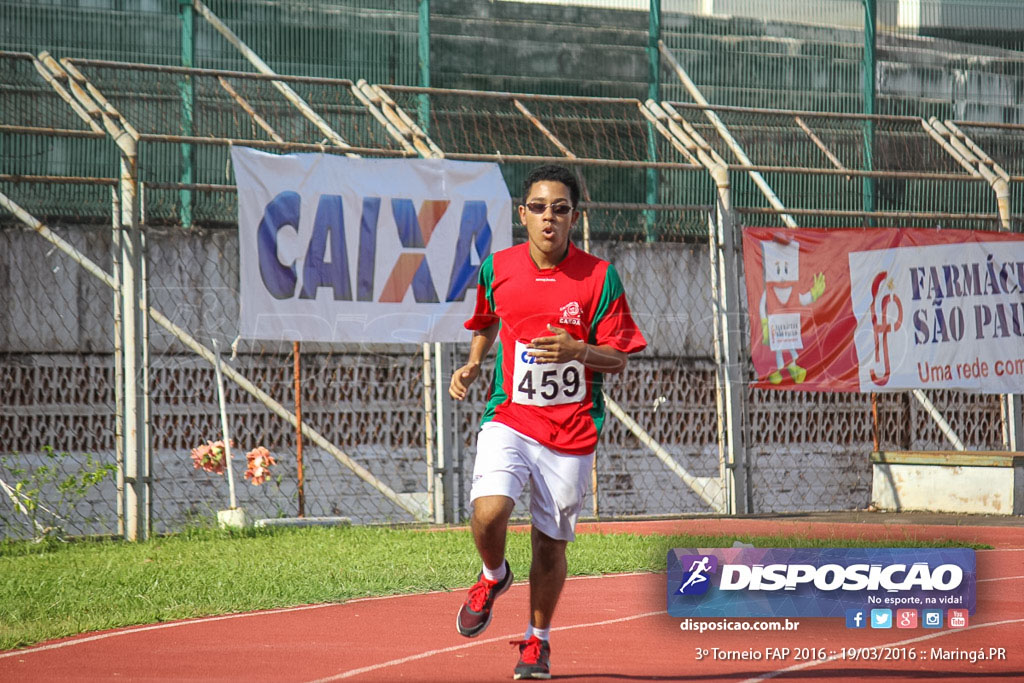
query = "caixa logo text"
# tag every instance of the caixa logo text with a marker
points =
(326, 262)
(830, 577)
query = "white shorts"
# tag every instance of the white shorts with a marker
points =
(506, 459)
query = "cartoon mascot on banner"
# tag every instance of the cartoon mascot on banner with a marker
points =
(780, 312)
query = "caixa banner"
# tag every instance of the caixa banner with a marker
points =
(885, 309)
(339, 249)
(817, 582)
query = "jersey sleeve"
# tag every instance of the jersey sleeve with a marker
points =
(613, 321)
(484, 315)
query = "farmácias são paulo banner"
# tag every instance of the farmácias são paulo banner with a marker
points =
(885, 309)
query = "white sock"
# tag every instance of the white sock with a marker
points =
(542, 633)
(495, 574)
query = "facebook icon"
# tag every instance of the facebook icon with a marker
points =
(856, 618)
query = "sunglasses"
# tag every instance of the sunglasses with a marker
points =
(540, 207)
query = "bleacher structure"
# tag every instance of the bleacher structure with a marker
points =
(121, 269)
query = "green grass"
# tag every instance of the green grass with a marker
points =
(53, 589)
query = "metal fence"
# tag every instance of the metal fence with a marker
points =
(95, 156)
(953, 59)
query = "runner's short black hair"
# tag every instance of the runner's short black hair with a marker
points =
(556, 173)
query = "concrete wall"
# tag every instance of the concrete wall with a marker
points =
(56, 307)
(550, 48)
(793, 55)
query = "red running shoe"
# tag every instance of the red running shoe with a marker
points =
(475, 614)
(534, 659)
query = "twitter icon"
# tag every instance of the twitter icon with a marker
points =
(881, 618)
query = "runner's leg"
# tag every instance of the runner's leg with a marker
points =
(547, 576)
(490, 527)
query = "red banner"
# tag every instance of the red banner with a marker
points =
(885, 309)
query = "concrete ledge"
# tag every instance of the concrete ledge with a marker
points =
(972, 482)
(303, 521)
(962, 458)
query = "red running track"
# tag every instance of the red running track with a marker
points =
(607, 628)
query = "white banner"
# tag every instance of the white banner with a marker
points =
(942, 316)
(338, 249)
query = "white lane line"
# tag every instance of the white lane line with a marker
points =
(201, 620)
(524, 582)
(512, 636)
(155, 627)
(832, 658)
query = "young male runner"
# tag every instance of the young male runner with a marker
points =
(561, 320)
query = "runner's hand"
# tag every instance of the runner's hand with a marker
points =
(461, 379)
(559, 348)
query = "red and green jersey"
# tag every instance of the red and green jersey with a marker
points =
(558, 404)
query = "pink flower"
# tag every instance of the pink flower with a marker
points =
(259, 463)
(210, 456)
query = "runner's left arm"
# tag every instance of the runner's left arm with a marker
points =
(561, 347)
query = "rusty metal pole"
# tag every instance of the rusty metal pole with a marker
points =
(874, 420)
(298, 430)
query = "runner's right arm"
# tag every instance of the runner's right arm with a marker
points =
(467, 374)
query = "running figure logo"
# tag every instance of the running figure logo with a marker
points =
(696, 580)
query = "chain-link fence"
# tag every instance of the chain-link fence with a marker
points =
(77, 134)
(59, 376)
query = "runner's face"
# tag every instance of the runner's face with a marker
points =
(548, 231)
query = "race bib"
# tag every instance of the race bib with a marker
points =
(549, 384)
